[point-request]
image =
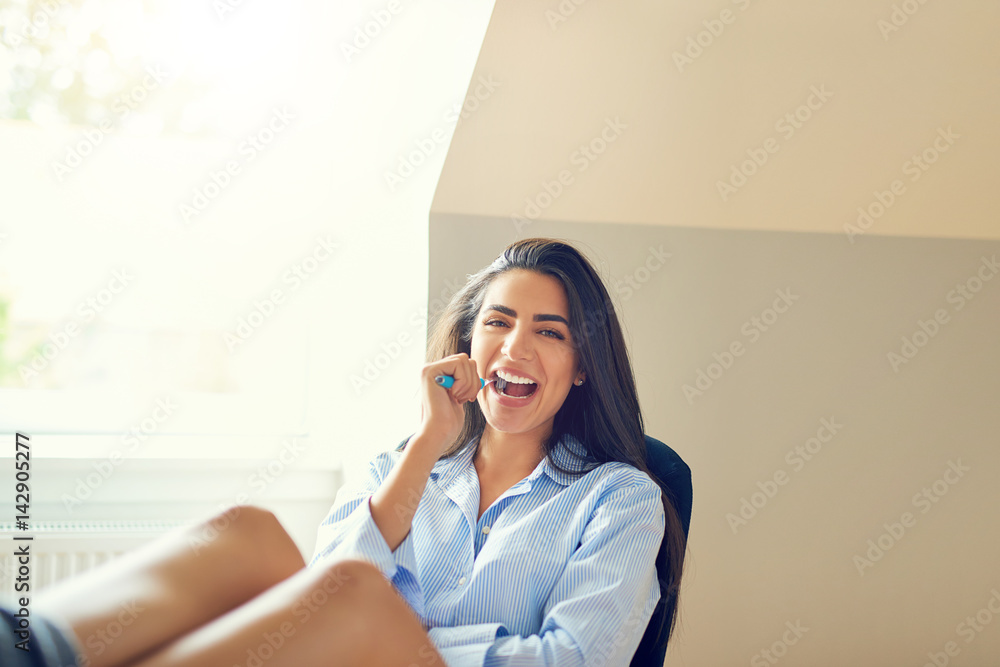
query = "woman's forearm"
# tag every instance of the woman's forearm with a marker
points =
(396, 500)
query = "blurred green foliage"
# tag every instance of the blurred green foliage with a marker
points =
(66, 62)
(9, 374)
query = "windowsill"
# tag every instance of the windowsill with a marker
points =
(67, 412)
(186, 450)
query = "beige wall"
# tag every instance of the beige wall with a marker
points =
(898, 423)
(689, 123)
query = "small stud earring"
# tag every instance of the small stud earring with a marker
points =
(579, 382)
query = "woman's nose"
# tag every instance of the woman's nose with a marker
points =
(517, 344)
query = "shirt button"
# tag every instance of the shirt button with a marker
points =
(462, 580)
(486, 530)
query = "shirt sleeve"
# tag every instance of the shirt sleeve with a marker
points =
(465, 645)
(349, 531)
(602, 602)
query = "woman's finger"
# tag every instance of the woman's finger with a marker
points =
(470, 380)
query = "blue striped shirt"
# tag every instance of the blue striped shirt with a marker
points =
(558, 571)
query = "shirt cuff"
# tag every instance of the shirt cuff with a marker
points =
(361, 538)
(466, 644)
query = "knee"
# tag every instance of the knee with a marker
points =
(255, 524)
(249, 529)
(356, 581)
(353, 575)
(239, 522)
(343, 599)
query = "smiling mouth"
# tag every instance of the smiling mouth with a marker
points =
(513, 389)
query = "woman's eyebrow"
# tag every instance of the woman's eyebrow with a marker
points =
(544, 317)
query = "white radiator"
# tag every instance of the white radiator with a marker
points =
(62, 549)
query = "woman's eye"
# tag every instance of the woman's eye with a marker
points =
(553, 333)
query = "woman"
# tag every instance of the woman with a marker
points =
(539, 312)
(534, 544)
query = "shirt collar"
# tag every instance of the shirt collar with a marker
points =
(567, 453)
(445, 470)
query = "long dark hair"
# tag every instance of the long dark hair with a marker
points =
(603, 413)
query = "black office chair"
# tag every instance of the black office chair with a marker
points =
(676, 477)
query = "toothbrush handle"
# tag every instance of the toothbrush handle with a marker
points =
(446, 381)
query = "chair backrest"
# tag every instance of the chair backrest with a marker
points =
(675, 477)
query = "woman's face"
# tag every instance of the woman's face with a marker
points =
(522, 328)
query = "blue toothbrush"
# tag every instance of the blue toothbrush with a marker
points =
(446, 381)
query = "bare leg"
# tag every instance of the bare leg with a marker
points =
(344, 614)
(134, 604)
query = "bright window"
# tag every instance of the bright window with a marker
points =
(146, 286)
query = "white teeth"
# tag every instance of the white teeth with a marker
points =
(516, 379)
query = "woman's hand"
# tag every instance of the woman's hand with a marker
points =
(442, 412)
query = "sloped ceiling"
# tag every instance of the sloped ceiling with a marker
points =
(739, 115)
